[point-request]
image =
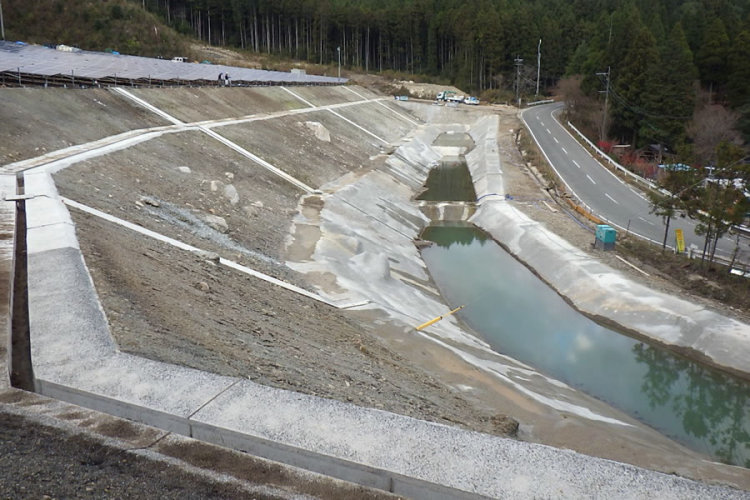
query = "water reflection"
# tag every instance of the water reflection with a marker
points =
(520, 316)
(711, 405)
(459, 235)
(449, 181)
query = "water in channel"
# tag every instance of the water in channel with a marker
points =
(519, 315)
(449, 181)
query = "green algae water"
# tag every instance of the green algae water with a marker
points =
(449, 181)
(519, 315)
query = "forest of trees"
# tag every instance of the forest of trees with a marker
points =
(659, 53)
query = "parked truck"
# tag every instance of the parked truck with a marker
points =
(445, 95)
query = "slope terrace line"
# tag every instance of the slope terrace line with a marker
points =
(340, 116)
(78, 149)
(299, 97)
(260, 161)
(99, 148)
(64, 157)
(223, 122)
(184, 246)
(358, 126)
(247, 154)
(148, 106)
(380, 101)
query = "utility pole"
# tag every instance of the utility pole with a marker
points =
(538, 64)
(2, 25)
(338, 49)
(606, 102)
(518, 62)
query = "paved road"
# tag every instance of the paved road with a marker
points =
(620, 204)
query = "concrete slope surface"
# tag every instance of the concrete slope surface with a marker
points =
(316, 191)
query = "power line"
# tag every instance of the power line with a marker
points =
(637, 109)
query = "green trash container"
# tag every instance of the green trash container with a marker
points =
(605, 237)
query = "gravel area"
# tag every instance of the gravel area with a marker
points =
(78, 453)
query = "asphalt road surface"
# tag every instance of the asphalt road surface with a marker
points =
(605, 194)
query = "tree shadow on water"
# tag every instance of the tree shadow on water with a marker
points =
(713, 407)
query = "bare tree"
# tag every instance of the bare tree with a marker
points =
(581, 109)
(712, 124)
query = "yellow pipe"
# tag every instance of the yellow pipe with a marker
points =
(433, 321)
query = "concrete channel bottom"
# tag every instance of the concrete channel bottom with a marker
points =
(76, 360)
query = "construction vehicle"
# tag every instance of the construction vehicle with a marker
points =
(445, 95)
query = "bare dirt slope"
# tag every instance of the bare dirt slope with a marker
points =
(37, 121)
(179, 307)
(173, 306)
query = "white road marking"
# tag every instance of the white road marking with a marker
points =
(589, 178)
(555, 138)
(550, 133)
(608, 196)
(638, 194)
(576, 163)
(646, 221)
(564, 150)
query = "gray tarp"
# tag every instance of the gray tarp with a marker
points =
(43, 61)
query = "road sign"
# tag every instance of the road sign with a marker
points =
(680, 237)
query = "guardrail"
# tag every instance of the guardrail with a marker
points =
(744, 231)
(537, 103)
(610, 161)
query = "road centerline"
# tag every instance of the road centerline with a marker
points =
(612, 199)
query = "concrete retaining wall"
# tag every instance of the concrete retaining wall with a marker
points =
(599, 290)
(484, 160)
(8, 249)
(75, 359)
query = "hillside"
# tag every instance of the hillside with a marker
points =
(116, 25)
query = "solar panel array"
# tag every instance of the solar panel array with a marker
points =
(42, 61)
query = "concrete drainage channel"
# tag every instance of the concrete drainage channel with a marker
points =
(75, 360)
(20, 370)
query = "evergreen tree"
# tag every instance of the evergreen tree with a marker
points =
(712, 55)
(630, 90)
(670, 97)
(738, 77)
